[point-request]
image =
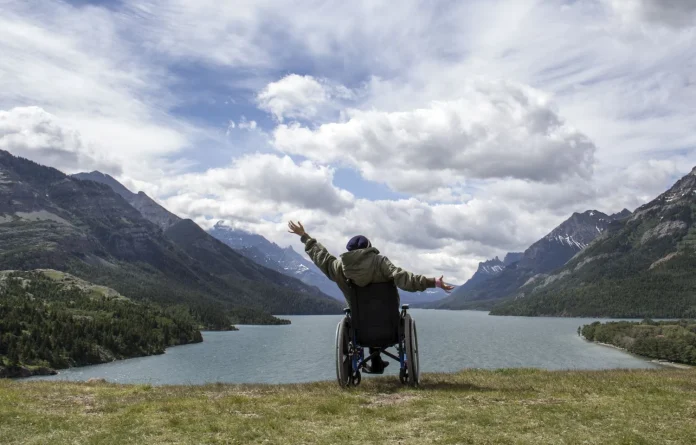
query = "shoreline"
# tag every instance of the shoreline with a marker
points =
(92, 381)
(665, 363)
(22, 372)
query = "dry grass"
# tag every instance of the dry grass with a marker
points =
(479, 407)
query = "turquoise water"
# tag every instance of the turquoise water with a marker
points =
(304, 351)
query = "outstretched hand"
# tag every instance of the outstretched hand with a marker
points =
(297, 229)
(442, 285)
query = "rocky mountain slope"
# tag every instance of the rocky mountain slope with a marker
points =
(548, 254)
(642, 266)
(223, 261)
(50, 220)
(147, 207)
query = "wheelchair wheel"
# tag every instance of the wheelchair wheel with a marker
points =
(344, 366)
(411, 340)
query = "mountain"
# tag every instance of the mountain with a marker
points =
(51, 220)
(218, 258)
(512, 257)
(147, 207)
(489, 269)
(625, 213)
(223, 261)
(642, 266)
(548, 254)
(269, 254)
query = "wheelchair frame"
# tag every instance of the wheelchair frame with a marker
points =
(350, 356)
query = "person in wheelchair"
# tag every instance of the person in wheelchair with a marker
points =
(362, 265)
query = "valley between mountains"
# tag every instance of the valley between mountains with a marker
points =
(80, 250)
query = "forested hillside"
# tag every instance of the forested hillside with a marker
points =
(53, 320)
(674, 341)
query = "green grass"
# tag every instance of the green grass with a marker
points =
(478, 407)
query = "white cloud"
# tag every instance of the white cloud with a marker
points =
(32, 133)
(300, 97)
(494, 130)
(640, 182)
(253, 187)
(674, 13)
(206, 30)
(500, 158)
(75, 63)
(230, 127)
(262, 34)
(243, 124)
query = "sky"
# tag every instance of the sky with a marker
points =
(447, 132)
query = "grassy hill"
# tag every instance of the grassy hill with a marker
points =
(478, 407)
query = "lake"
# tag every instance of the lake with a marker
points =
(304, 351)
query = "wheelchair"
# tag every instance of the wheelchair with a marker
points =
(374, 321)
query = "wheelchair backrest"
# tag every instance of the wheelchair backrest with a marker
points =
(375, 315)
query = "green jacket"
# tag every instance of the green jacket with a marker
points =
(362, 267)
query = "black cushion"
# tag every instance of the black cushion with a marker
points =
(375, 314)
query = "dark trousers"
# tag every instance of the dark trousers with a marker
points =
(377, 363)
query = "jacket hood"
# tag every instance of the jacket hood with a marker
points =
(360, 265)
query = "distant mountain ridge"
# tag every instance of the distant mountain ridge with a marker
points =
(284, 260)
(496, 280)
(642, 266)
(489, 269)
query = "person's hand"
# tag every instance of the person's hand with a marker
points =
(442, 285)
(297, 229)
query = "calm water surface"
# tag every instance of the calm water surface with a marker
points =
(304, 351)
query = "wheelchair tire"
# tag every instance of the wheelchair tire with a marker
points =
(411, 340)
(344, 366)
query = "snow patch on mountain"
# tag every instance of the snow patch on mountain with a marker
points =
(570, 241)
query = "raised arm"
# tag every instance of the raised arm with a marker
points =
(326, 262)
(411, 282)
